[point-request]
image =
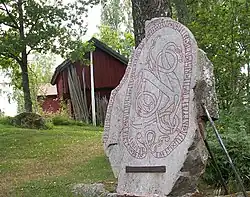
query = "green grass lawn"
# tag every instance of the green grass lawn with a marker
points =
(47, 163)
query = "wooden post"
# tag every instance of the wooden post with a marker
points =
(92, 89)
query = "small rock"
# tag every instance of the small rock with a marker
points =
(112, 195)
(90, 190)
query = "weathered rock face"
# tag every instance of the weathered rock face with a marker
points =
(205, 87)
(151, 133)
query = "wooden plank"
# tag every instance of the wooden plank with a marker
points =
(145, 169)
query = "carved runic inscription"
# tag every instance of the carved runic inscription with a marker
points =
(156, 107)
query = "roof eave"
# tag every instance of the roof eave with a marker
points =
(97, 44)
(58, 69)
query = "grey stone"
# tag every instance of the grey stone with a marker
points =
(152, 116)
(112, 195)
(205, 87)
(90, 190)
(192, 168)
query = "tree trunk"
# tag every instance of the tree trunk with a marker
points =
(248, 83)
(25, 85)
(24, 61)
(143, 10)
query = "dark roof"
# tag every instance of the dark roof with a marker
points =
(107, 49)
(97, 43)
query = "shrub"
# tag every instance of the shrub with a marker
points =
(238, 146)
(233, 129)
(61, 117)
(63, 120)
(30, 120)
(6, 120)
(49, 123)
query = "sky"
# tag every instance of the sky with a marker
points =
(10, 108)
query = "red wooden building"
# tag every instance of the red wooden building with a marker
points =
(47, 96)
(108, 69)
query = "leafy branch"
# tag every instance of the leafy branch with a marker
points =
(16, 26)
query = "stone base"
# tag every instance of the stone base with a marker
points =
(196, 194)
(134, 196)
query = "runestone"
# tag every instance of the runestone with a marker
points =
(151, 120)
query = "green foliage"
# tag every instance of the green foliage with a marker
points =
(1, 112)
(39, 26)
(61, 120)
(80, 49)
(6, 120)
(237, 120)
(122, 42)
(30, 120)
(117, 26)
(221, 30)
(48, 124)
(234, 129)
(40, 71)
(239, 149)
(61, 117)
(64, 120)
(117, 14)
(44, 23)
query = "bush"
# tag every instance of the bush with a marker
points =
(63, 120)
(235, 135)
(6, 120)
(30, 120)
(49, 123)
(238, 146)
(61, 117)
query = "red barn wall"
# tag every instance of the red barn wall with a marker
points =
(59, 86)
(108, 71)
(50, 104)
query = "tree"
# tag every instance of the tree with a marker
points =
(111, 14)
(221, 29)
(116, 26)
(145, 10)
(40, 73)
(29, 25)
(117, 14)
(122, 42)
